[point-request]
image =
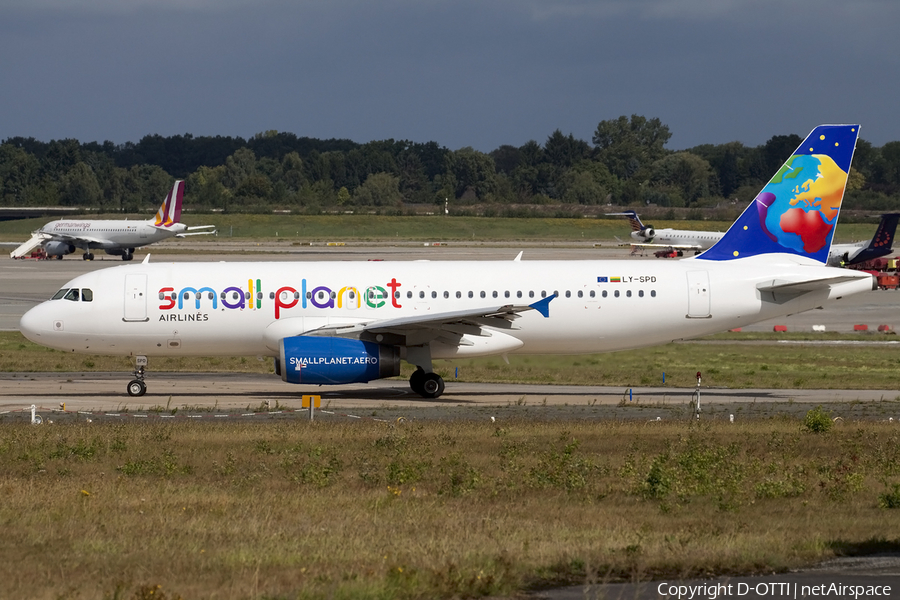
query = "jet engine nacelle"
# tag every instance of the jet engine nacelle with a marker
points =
(331, 360)
(58, 248)
(649, 232)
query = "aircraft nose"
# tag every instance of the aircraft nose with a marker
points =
(34, 323)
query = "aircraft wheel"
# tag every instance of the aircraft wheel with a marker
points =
(59, 257)
(127, 256)
(136, 387)
(86, 256)
(433, 386)
(416, 381)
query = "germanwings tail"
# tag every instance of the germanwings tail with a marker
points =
(170, 211)
(797, 211)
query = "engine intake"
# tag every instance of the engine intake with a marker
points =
(330, 360)
(56, 248)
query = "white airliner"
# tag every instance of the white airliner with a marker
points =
(881, 244)
(840, 255)
(673, 239)
(118, 238)
(335, 323)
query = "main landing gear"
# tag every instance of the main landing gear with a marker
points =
(427, 385)
(424, 381)
(137, 387)
(87, 256)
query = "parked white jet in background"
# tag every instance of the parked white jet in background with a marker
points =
(335, 323)
(673, 239)
(119, 237)
(881, 244)
(840, 255)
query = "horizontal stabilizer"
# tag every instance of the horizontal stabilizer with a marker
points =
(809, 285)
(181, 235)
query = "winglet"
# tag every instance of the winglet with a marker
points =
(519, 256)
(543, 306)
(797, 211)
(146, 259)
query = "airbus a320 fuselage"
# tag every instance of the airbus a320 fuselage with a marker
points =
(356, 321)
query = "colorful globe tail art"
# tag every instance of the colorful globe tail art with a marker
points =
(797, 211)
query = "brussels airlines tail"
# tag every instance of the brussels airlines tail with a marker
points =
(347, 322)
(881, 244)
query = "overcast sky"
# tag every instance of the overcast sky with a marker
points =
(478, 73)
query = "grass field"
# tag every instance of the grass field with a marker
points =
(430, 510)
(320, 228)
(734, 360)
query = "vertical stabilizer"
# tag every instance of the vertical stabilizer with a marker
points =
(634, 219)
(797, 211)
(170, 211)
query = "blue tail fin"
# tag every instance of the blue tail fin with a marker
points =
(633, 219)
(797, 211)
(881, 243)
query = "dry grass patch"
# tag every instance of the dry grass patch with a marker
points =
(447, 509)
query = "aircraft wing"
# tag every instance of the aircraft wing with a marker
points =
(456, 323)
(76, 239)
(671, 246)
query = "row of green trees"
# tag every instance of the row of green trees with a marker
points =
(626, 163)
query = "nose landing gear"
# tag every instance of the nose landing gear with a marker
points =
(137, 387)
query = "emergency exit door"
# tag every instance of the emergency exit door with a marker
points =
(698, 295)
(135, 297)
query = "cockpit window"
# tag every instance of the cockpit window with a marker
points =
(87, 295)
(60, 294)
(72, 295)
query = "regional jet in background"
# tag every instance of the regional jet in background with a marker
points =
(118, 238)
(881, 244)
(840, 255)
(351, 322)
(677, 240)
